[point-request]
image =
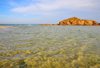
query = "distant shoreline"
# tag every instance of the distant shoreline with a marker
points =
(75, 21)
(2, 26)
(18, 24)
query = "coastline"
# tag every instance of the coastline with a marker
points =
(75, 21)
(6, 26)
(2, 26)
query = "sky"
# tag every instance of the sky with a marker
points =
(47, 11)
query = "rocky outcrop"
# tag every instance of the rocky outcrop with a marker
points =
(42, 24)
(48, 24)
(56, 24)
(77, 21)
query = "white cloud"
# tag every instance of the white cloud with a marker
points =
(13, 3)
(53, 5)
(24, 9)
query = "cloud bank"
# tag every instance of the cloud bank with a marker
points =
(38, 6)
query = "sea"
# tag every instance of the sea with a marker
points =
(54, 46)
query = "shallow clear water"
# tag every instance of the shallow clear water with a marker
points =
(38, 46)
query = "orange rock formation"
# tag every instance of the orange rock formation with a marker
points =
(56, 24)
(42, 24)
(48, 24)
(77, 21)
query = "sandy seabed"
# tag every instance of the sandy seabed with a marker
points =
(50, 47)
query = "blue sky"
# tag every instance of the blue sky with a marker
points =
(47, 11)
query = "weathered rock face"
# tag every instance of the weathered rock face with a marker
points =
(77, 21)
(95, 23)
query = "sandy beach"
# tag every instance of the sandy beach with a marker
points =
(2, 26)
(6, 26)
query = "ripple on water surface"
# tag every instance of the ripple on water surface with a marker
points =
(50, 47)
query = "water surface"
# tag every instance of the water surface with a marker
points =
(35, 46)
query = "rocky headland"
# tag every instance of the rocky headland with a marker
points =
(75, 21)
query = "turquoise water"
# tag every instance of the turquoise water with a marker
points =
(35, 46)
